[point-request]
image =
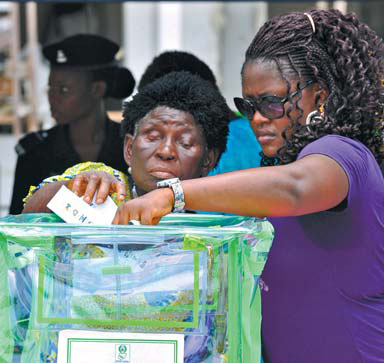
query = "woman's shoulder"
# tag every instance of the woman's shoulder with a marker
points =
(37, 141)
(337, 139)
(354, 157)
(337, 145)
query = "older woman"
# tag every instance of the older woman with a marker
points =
(241, 139)
(176, 127)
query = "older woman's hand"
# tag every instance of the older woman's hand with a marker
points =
(97, 183)
(147, 209)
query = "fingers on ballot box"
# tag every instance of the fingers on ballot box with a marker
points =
(184, 291)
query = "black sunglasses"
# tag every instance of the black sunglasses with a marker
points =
(271, 106)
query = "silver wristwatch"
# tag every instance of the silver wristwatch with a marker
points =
(178, 192)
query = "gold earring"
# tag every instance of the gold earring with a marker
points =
(321, 109)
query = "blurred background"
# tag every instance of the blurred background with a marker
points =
(217, 32)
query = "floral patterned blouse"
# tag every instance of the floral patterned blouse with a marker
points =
(71, 172)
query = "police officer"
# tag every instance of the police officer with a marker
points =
(83, 72)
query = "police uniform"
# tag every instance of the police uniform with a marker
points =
(50, 152)
(46, 153)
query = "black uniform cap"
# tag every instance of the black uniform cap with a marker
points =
(82, 50)
(91, 52)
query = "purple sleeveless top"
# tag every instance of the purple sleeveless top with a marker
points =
(323, 283)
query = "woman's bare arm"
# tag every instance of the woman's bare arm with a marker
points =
(85, 184)
(37, 203)
(309, 185)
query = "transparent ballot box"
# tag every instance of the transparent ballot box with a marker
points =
(185, 290)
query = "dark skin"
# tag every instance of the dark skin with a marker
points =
(312, 184)
(167, 143)
(76, 100)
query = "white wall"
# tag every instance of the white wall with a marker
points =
(241, 20)
(216, 32)
(7, 167)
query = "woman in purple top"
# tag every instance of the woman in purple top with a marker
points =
(313, 92)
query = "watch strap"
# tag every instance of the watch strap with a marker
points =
(178, 193)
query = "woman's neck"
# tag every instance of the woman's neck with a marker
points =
(88, 134)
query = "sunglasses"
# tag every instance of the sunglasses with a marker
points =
(270, 106)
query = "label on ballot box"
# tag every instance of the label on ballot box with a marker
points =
(79, 346)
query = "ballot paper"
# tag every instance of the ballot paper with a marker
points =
(72, 209)
(79, 346)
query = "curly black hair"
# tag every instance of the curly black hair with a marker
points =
(175, 61)
(185, 92)
(345, 56)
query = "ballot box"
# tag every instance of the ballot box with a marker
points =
(186, 290)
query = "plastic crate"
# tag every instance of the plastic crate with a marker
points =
(193, 276)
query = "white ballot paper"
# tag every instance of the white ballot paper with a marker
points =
(72, 209)
(83, 346)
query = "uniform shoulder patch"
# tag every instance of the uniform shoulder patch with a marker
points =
(30, 141)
